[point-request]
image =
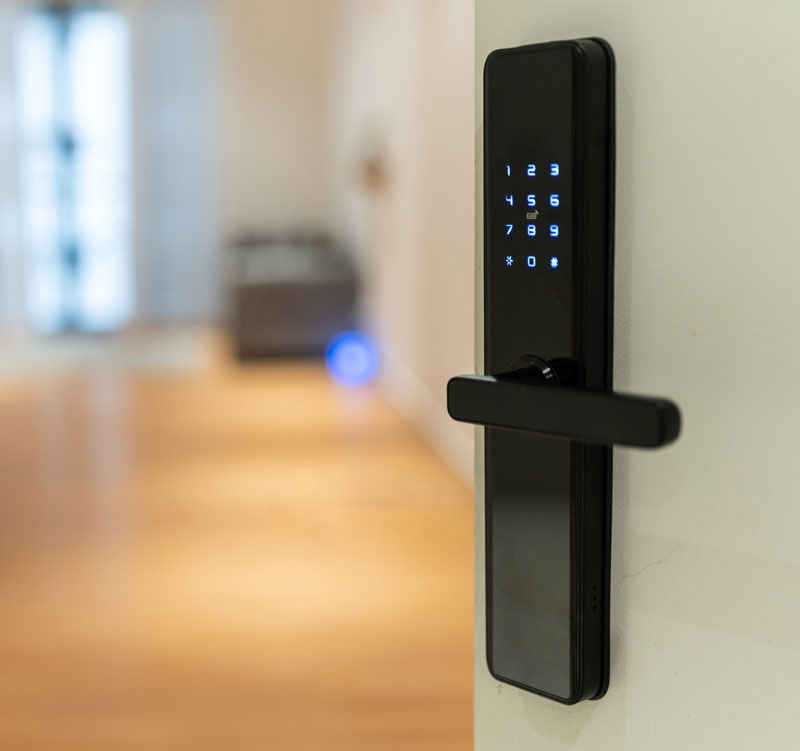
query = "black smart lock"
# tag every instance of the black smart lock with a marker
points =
(550, 413)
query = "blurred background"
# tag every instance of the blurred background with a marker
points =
(236, 271)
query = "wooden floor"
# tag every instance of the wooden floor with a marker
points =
(241, 558)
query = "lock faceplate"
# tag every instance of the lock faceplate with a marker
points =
(548, 292)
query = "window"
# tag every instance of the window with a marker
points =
(75, 195)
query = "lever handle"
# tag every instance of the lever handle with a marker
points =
(588, 416)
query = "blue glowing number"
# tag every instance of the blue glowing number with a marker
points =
(509, 227)
(553, 230)
(532, 262)
(554, 199)
(510, 200)
(531, 199)
(508, 170)
(554, 170)
(531, 170)
(531, 230)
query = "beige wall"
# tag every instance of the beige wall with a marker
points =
(274, 110)
(706, 565)
(402, 95)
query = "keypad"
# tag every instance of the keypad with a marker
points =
(531, 212)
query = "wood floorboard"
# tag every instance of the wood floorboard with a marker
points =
(236, 558)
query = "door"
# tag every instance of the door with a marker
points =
(705, 626)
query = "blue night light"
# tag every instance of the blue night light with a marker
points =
(352, 359)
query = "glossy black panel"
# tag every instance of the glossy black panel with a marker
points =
(547, 177)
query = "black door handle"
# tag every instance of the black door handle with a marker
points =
(509, 401)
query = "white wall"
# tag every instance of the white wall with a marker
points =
(402, 97)
(706, 565)
(176, 159)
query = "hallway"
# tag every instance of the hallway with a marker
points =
(227, 558)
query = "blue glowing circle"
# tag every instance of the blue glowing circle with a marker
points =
(352, 359)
